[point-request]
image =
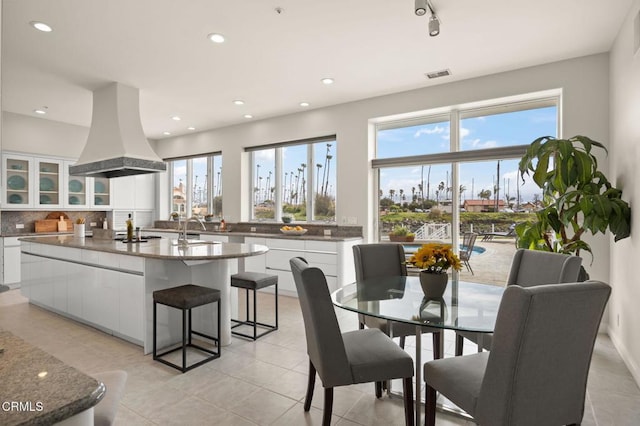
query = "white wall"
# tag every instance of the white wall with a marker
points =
(624, 159)
(39, 136)
(584, 82)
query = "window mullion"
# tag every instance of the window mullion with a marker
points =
(277, 214)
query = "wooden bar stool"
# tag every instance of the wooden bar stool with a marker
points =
(254, 281)
(185, 298)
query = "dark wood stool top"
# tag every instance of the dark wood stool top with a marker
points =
(253, 280)
(186, 296)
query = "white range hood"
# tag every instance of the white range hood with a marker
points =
(116, 145)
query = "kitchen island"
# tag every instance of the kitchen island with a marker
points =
(109, 284)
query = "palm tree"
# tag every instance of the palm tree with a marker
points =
(462, 189)
(441, 187)
(304, 183)
(392, 193)
(326, 188)
(401, 192)
(318, 166)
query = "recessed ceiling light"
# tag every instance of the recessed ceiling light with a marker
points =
(41, 26)
(176, 118)
(327, 80)
(216, 38)
(238, 102)
(304, 104)
(191, 128)
(41, 111)
(166, 133)
(248, 116)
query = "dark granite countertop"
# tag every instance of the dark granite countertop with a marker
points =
(47, 389)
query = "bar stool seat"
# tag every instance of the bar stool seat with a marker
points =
(253, 281)
(185, 298)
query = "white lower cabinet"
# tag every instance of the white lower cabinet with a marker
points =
(334, 258)
(107, 298)
(10, 260)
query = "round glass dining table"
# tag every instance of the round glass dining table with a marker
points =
(464, 306)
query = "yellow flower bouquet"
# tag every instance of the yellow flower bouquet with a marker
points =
(435, 258)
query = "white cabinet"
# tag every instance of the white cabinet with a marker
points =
(32, 182)
(79, 189)
(17, 178)
(101, 193)
(48, 183)
(134, 192)
(10, 260)
(103, 289)
(335, 258)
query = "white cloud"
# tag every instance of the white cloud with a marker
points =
(431, 131)
(479, 144)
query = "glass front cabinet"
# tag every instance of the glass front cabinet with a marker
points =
(43, 183)
(49, 183)
(17, 179)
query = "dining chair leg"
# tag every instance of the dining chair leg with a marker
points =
(310, 385)
(328, 407)
(403, 339)
(459, 344)
(437, 347)
(430, 407)
(378, 389)
(407, 390)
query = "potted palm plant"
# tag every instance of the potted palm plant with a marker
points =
(577, 197)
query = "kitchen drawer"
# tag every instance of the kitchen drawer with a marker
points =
(324, 258)
(321, 246)
(286, 244)
(328, 268)
(279, 259)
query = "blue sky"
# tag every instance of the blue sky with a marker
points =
(491, 131)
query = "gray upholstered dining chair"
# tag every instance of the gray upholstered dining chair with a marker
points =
(384, 260)
(530, 268)
(340, 359)
(536, 372)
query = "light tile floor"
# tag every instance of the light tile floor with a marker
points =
(264, 382)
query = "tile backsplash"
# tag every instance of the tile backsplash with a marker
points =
(9, 219)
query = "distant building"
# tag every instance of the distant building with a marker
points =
(482, 205)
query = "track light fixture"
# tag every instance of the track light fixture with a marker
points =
(434, 22)
(421, 7)
(434, 25)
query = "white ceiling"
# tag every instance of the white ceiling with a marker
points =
(273, 61)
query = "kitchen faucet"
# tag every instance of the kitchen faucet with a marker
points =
(183, 237)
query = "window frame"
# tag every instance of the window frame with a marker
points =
(278, 176)
(455, 156)
(211, 185)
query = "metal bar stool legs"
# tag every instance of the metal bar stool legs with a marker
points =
(253, 281)
(186, 298)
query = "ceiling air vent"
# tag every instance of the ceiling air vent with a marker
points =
(438, 74)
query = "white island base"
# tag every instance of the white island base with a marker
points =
(114, 292)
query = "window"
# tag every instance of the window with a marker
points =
(443, 177)
(196, 185)
(295, 179)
